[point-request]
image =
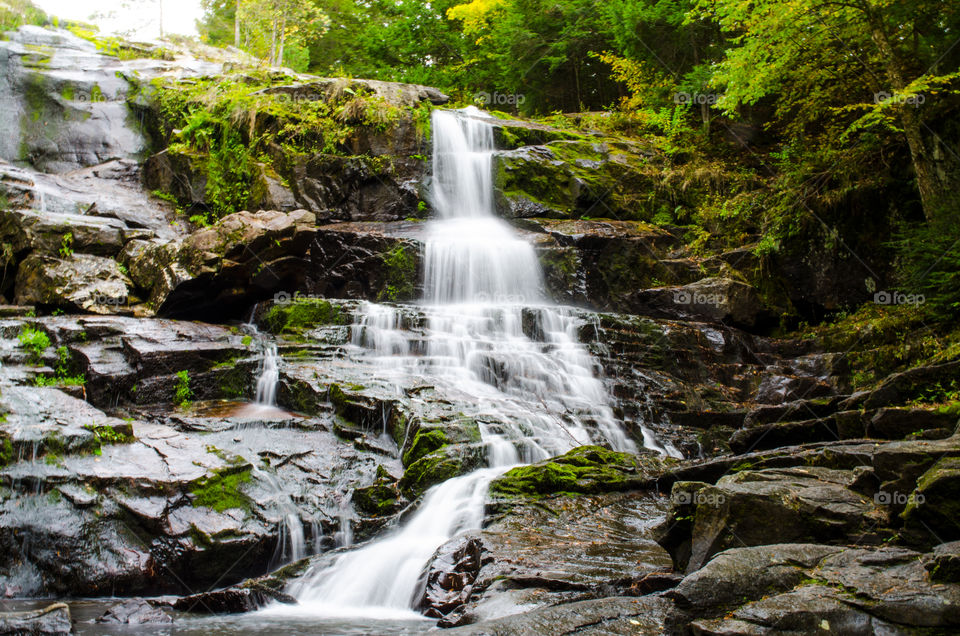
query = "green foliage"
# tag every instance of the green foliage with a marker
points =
(62, 372)
(35, 342)
(929, 259)
(66, 245)
(16, 13)
(182, 394)
(400, 271)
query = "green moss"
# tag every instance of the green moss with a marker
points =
(222, 490)
(234, 383)
(301, 314)
(377, 500)
(586, 469)
(425, 441)
(400, 273)
(433, 468)
(6, 452)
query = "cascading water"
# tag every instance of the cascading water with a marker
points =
(489, 334)
(266, 394)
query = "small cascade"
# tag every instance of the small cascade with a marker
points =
(484, 331)
(266, 394)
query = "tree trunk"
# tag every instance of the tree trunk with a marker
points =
(928, 182)
(160, 2)
(273, 44)
(236, 27)
(283, 36)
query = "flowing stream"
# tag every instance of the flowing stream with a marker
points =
(488, 334)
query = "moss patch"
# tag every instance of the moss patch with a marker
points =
(221, 491)
(400, 273)
(301, 314)
(424, 442)
(584, 470)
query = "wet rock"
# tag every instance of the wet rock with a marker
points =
(892, 584)
(364, 188)
(777, 389)
(48, 233)
(249, 595)
(247, 598)
(744, 574)
(785, 434)
(615, 615)
(710, 299)
(135, 612)
(373, 261)
(807, 609)
(768, 506)
(53, 620)
(557, 550)
(900, 387)
(572, 178)
(944, 563)
(224, 268)
(79, 282)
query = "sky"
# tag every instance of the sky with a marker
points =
(141, 16)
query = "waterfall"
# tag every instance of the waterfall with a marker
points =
(487, 333)
(266, 394)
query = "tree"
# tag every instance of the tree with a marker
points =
(878, 66)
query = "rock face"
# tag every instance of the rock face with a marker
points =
(243, 258)
(95, 504)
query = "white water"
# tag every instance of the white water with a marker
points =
(491, 337)
(292, 544)
(269, 376)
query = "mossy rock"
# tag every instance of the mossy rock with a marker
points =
(583, 470)
(934, 506)
(380, 499)
(301, 314)
(440, 465)
(424, 442)
(400, 273)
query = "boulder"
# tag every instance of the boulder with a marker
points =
(373, 261)
(224, 268)
(53, 620)
(898, 423)
(79, 282)
(535, 554)
(770, 506)
(135, 612)
(710, 299)
(616, 615)
(934, 507)
(49, 233)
